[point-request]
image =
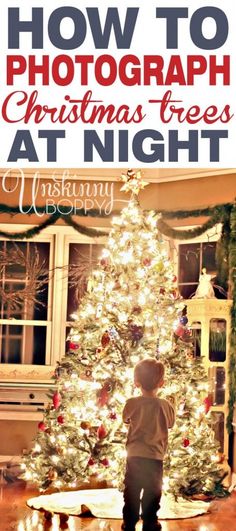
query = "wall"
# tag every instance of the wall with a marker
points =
(16, 436)
(176, 194)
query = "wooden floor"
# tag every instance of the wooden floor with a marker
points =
(16, 516)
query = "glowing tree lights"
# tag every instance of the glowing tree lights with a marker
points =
(130, 311)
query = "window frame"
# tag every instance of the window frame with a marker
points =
(8, 369)
(211, 235)
(60, 237)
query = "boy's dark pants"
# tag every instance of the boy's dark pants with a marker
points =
(142, 473)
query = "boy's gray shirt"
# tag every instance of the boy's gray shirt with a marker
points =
(149, 419)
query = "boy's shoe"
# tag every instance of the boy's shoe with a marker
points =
(127, 527)
(152, 526)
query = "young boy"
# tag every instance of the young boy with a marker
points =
(149, 419)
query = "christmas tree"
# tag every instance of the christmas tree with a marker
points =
(131, 311)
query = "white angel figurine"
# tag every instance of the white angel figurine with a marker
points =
(205, 289)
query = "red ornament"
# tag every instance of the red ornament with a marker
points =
(104, 262)
(103, 397)
(207, 403)
(74, 346)
(186, 443)
(162, 291)
(101, 432)
(147, 262)
(91, 462)
(105, 462)
(56, 400)
(60, 419)
(179, 331)
(113, 416)
(105, 339)
(42, 426)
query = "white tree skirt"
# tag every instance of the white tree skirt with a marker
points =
(108, 503)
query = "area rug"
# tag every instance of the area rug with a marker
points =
(108, 503)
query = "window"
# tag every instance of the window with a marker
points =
(217, 385)
(25, 312)
(217, 340)
(192, 258)
(83, 258)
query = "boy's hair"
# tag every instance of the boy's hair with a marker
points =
(149, 373)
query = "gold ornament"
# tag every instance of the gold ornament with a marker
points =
(60, 450)
(133, 182)
(84, 425)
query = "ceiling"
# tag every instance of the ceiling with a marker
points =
(154, 175)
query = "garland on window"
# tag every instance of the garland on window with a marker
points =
(217, 214)
(232, 289)
(187, 234)
(30, 233)
(196, 213)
